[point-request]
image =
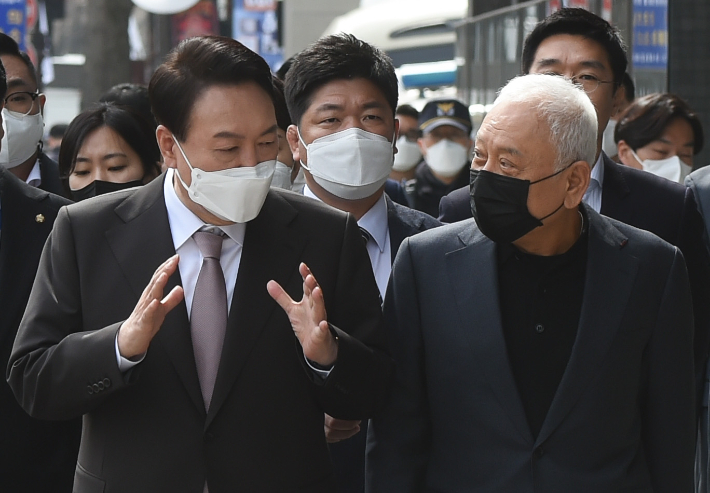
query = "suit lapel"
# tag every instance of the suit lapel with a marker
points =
(140, 245)
(401, 225)
(609, 266)
(272, 250)
(482, 329)
(614, 193)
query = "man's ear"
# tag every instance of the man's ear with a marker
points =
(422, 147)
(42, 100)
(619, 101)
(626, 155)
(167, 146)
(577, 183)
(294, 143)
(396, 135)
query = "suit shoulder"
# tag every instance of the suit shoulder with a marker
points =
(284, 201)
(412, 217)
(443, 238)
(653, 187)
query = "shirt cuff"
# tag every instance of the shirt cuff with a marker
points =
(125, 364)
(321, 371)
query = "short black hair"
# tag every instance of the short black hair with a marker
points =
(335, 57)
(284, 68)
(195, 65)
(407, 110)
(133, 95)
(629, 88)
(283, 119)
(578, 22)
(121, 119)
(646, 118)
(3, 81)
(58, 130)
(9, 46)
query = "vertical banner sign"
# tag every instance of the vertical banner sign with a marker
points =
(256, 26)
(12, 20)
(199, 20)
(606, 10)
(650, 43)
(581, 4)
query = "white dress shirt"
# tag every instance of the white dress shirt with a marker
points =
(34, 179)
(374, 221)
(183, 224)
(593, 195)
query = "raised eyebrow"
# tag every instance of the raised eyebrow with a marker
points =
(593, 64)
(328, 107)
(373, 105)
(113, 155)
(17, 82)
(547, 62)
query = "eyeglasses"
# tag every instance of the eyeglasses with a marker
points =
(21, 102)
(588, 82)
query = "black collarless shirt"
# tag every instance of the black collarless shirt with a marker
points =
(540, 303)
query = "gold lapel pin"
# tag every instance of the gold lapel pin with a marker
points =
(39, 218)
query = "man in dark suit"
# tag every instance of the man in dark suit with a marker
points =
(527, 358)
(36, 456)
(342, 94)
(189, 375)
(24, 105)
(582, 46)
(699, 182)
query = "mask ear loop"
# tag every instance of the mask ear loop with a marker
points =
(553, 174)
(182, 182)
(547, 177)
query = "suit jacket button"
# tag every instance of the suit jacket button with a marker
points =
(91, 391)
(96, 387)
(107, 382)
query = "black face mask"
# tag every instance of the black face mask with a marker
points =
(98, 187)
(499, 204)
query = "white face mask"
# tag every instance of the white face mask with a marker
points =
(22, 136)
(234, 194)
(408, 155)
(608, 144)
(351, 164)
(671, 168)
(446, 158)
(282, 176)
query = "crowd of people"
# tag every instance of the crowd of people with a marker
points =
(234, 280)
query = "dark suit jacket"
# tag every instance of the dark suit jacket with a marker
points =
(623, 415)
(49, 171)
(147, 430)
(349, 455)
(645, 201)
(35, 456)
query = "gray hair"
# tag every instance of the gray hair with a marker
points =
(565, 108)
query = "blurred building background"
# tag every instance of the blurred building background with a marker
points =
(467, 48)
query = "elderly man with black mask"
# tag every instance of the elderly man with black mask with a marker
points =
(540, 346)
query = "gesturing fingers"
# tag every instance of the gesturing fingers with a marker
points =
(279, 295)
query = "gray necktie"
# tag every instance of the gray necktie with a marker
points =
(208, 319)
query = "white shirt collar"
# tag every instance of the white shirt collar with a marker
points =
(184, 223)
(598, 170)
(35, 176)
(374, 221)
